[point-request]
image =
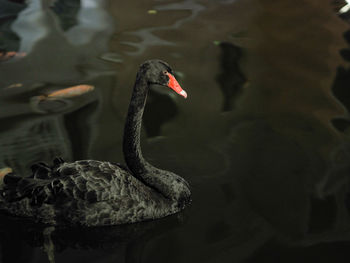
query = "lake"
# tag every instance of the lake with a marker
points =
(263, 138)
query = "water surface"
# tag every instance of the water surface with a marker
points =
(263, 138)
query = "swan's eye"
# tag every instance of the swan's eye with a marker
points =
(165, 72)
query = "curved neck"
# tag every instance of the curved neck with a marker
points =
(168, 184)
(132, 130)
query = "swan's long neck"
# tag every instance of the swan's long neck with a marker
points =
(170, 185)
(132, 130)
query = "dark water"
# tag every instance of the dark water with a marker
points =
(263, 137)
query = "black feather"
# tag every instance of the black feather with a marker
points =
(58, 161)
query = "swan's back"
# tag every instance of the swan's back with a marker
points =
(84, 192)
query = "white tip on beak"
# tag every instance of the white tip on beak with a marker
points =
(183, 93)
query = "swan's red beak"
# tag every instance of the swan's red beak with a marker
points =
(174, 85)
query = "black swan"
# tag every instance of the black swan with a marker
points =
(95, 193)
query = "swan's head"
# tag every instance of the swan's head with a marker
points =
(159, 72)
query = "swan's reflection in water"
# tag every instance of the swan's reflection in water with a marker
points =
(122, 243)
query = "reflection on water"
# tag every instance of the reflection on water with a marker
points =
(152, 119)
(114, 243)
(339, 88)
(148, 36)
(8, 13)
(36, 128)
(263, 137)
(231, 79)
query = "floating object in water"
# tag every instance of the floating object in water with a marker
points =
(152, 12)
(71, 91)
(5, 171)
(11, 54)
(15, 85)
(95, 193)
(345, 8)
(58, 100)
(112, 57)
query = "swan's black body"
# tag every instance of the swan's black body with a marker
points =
(93, 193)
